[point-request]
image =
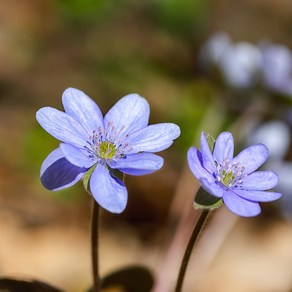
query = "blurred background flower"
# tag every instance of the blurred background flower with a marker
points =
(239, 63)
(277, 68)
(154, 48)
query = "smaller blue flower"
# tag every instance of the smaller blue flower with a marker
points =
(93, 146)
(234, 179)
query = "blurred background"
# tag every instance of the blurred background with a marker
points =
(205, 65)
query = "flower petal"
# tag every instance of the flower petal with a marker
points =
(62, 126)
(212, 187)
(138, 164)
(77, 156)
(153, 138)
(110, 193)
(252, 157)
(57, 173)
(240, 206)
(207, 157)
(258, 196)
(195, 162)
(83, 109)
(224, 148)
(129, 114)
(260, 180)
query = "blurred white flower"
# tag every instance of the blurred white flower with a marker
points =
(240, 64)
(243, 64)
(284, 170)
(277, 68)
(212, 51)
(275, 135)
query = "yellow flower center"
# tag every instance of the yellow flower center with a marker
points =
(227, 178)
(230, 174)
(107, 150)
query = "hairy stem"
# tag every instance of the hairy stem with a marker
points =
(196, 231)
(94, 246)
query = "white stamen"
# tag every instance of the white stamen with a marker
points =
(108, 144)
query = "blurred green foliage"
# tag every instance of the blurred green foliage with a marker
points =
(183, 17)
(38, 144)
(195, 101)
(84, 11)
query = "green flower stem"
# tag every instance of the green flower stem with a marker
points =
(94, 246)
(188, 251)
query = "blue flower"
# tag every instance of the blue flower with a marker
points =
(234, 179)
(93, 146)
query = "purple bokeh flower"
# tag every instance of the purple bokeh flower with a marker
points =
(94, 146)
(239, 63)
(277, 68)
(244, 65)
(212, 51)
(234, 179)
(276, 135)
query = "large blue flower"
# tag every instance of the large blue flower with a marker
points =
(94, 145)
(234, 179)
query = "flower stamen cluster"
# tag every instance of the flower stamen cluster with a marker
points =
(107, 144)
(230, 175)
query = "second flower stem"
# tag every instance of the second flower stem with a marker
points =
(94, 246)
(196, 231)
